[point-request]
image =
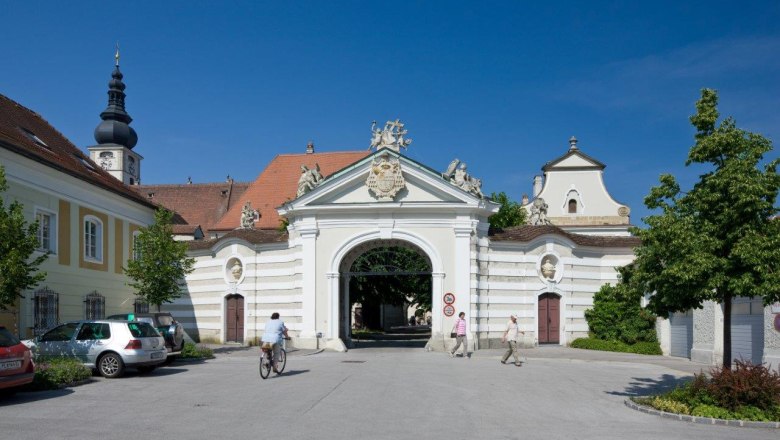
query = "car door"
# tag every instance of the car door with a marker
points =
(91, 340)
(57, 341)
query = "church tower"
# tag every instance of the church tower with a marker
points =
(115, 138)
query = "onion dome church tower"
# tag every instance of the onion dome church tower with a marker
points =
(115, 138)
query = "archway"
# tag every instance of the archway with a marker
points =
(385, 294)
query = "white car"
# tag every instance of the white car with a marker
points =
(106, 345)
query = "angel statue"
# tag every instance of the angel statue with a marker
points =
(247, 216)
(309, 179)
(539, 213)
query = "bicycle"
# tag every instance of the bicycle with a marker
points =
(267, 360)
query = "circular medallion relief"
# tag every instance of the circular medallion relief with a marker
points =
(234, 270)
(623, 211)
(549, 268)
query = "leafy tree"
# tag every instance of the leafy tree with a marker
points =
(162, 262)
(509, 214)
(617, 313)
(18, 241)
(718, 240)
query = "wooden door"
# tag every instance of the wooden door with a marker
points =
(549, 318)
(234, 317)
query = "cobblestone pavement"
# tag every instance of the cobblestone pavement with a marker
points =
(373, 393)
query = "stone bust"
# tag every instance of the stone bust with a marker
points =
(548, 269)
(236, 270)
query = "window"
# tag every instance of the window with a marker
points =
(91, 331)
(93, 239)
(94, 306)
(45, 310)
(572, 206)
(47, 231)
(142, 330)
(61, 333)
(140, 306)
(136, 246)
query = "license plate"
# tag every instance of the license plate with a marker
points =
(10, 365)
(157, 355)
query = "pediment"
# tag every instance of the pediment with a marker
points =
(574, 160)
(422, 185)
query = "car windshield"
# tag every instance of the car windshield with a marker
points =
(7, 339)
(149, 321)
(165, 320)
(142, 330)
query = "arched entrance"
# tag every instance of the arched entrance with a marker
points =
(549, 318)
(385, 294)
(234, 318)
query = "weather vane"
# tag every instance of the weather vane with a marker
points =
(116, 55)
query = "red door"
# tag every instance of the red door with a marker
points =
(549, 318)
(234, 317)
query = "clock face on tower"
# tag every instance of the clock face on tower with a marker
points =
(106, 160)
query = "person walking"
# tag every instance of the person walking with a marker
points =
(510, 336)
(460, 335)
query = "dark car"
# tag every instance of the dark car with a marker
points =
(16, 364)
(169, 328)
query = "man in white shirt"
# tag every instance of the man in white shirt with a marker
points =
(275, 330)
(510, 335)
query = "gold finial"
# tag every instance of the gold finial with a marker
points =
(116, 55)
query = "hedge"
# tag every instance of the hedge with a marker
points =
(618, 346)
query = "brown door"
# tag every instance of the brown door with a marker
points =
(549, 318)
(234, 315)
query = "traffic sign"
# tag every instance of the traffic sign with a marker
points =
(449, 310)
(449, 298)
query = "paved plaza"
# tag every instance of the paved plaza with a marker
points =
(371, 393)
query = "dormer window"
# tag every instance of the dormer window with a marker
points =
(572, 206)
(33, 137)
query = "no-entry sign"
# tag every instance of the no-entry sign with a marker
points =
(449, 298)
(449, 310)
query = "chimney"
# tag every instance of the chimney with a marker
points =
(524, 200)
(537, 185)
(310, 148)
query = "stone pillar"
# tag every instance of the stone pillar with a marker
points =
(704, 325)
(438, 334)
(309, 251)
(771, 337)
(463, 280)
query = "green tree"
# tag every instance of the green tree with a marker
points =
(18, 241)
(162, 262)
(618, 315)
(718, 240)
(509, 214)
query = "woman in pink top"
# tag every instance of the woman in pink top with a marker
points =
(460, 335)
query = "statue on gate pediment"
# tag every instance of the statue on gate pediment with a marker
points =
(385, 179)
(310, 178)
(539, 213)
(392, 136)
(456, 174)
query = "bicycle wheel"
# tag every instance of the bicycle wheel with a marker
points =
(265, 366)
(282, 360)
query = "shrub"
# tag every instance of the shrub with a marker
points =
(618, 346)
(58, 372)
(669, 405)
(192, 351)
(715, 412)
(746, 385)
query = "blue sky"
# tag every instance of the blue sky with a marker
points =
(220, 88)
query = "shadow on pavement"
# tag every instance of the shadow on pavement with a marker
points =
(371, 343)
(32, 396)
(293, 372)
(643, 386)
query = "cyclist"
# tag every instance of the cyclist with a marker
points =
(274, 331)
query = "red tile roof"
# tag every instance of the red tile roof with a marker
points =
(26, 133)
(278, 183)
(197, 203)
(527, 233)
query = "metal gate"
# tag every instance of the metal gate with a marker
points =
(682, 334)
(747, 338)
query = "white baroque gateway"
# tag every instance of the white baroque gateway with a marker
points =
(542, 274)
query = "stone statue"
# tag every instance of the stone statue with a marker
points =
(247, 216)
(456, 174)
(539, 213)
(309, 179)
(548, 269)
(236, 270)
(392, 136)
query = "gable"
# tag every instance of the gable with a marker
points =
(574, 159)
(422, 185)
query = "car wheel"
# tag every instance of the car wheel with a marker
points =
(146, 369)
(111, 365)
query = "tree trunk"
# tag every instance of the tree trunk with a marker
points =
(727, 330)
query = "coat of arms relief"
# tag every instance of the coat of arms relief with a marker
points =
(385, 178)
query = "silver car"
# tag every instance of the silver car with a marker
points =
(106, 345)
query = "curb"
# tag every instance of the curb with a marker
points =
(701, 420)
